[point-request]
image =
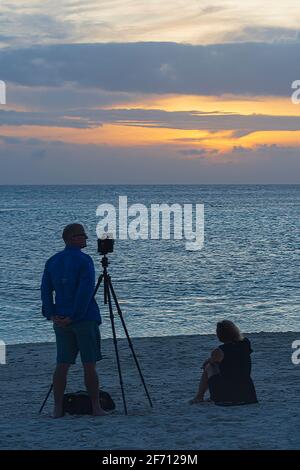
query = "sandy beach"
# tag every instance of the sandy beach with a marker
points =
(171, 367)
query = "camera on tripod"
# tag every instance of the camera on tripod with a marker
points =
(105, 244)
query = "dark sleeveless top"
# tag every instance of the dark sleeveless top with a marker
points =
(236, 364)
(234, 386)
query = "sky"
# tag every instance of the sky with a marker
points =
(142, 92)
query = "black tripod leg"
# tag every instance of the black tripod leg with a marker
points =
(47, 396)
(98, 284)
(97, 287)
(107, 294)
(128, 338)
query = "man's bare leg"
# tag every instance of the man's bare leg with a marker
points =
(92, 385)
(59, 386)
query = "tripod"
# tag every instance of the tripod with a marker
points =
(108, 292)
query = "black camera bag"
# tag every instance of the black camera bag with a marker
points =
(79, 403)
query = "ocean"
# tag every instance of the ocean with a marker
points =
(247, 271)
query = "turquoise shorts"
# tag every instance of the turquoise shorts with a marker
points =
(83, 337)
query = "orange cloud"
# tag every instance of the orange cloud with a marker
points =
(130, 136)
(108, 134)
(271, 105)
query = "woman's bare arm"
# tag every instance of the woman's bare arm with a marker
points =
(216, 356)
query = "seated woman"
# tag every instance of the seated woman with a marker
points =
(227, 373)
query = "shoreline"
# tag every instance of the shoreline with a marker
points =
(121, 338)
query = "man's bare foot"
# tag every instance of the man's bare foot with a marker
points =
(99, 412)
(57, 413)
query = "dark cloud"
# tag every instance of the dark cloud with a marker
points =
(237, 68)
(203, 152)
(213, 9)
(241, 133)
(154, 118)
(10, 140)
(28, 141)
(22, 118)
(192, 120)
(67, 97)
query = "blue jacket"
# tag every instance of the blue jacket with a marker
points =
(71, 275)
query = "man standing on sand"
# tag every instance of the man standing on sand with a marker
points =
(75, 314)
